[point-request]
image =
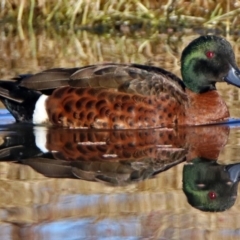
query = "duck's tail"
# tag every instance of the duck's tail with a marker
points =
(20, 101)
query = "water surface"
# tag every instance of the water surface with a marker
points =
(67, 184)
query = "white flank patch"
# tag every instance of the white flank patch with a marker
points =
(40, 114)
(41, 138)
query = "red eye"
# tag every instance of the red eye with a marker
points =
(210, 54)
(212, 195)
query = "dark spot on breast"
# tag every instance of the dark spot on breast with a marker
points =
(102, 110)
(163, 98)
(114, 119)
(93, 91)
(122, 117)
(80, 91)
(59, 92)
(130, 108)
(170, 115)
(167, 97)
(118, 146)
(68, 106)
(104, 124)
(101, 103)
(78, 104)
(90, 116)
(70, 90)
(116, 126)
(107, 112)
(90, 104)
(146, 134)
(75, 115)
(112, 97)
(117, 106)
(125, 98)
(170, 137)
(102, 94)
(131, 123)
(132, 144)
(81, 115)
(140, 118)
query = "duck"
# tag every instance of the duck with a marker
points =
(128, 96)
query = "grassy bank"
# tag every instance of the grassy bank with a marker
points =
(123, 15)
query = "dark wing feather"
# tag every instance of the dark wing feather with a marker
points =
(49, 79)
(5, 93)
(136, 79)
(133, 78)
(160, 71)
(105, 76)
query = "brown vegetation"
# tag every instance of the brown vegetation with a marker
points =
(123, 15)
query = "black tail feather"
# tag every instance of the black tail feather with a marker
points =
(18, 100)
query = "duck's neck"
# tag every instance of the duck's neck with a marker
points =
(205, 108)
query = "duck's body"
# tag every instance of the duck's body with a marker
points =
(122, 96)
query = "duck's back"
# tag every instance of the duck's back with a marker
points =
(108, 95)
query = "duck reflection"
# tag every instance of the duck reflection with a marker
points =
(210, 186)
(123, 157)
(114, 157)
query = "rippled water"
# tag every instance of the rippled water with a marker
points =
(150, 184)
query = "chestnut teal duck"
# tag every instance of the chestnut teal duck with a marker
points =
(128, 96)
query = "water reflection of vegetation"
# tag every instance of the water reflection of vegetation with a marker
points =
(110, 15)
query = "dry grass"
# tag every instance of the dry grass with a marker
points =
(123, 15)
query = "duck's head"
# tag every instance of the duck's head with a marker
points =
(207, 60)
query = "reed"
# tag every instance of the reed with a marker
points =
(122, 15)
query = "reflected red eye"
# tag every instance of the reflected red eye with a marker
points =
(212, 195)
(210, 54)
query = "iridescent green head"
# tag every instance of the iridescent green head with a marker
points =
(207, 60)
